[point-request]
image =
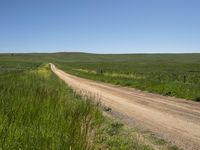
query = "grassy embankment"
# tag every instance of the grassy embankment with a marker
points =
(38, 111)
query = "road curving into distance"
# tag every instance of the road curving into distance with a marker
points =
(175, 120)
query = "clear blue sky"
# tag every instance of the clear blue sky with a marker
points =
(102, 26)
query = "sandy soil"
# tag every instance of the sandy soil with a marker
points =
(175, 120)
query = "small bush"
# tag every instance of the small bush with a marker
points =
(197, 99)
(108, 109)
(115, 127)
(168, 93)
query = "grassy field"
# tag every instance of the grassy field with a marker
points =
(167, 74)
(171, 75)
(38, 111)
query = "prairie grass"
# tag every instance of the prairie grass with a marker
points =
(152, 82)
(170, 75)
(167, 74)
(38, 111)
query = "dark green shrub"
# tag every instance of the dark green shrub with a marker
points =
(168, 93)
(197, 99)
(115, 127)
(108, 109)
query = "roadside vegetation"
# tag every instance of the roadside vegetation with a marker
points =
(38, 111)
(170, 75)
(166, 74)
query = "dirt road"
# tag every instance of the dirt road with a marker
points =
(173, 119)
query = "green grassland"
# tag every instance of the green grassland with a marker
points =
(38, 111)
(167, 74)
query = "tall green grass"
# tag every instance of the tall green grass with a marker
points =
(38, 111)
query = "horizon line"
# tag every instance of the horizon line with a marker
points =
(98, 53)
